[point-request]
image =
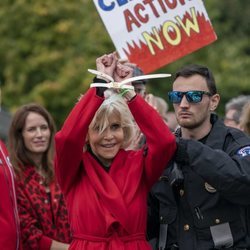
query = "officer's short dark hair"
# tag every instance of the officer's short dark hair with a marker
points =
(194, 69)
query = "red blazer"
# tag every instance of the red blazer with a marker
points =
(109, 210)
(9, 222)
(43, 218)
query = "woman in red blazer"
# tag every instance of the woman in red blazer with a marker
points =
(9, 222)
(104, 184)
(42, 211)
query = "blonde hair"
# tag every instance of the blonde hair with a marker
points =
(114, 104)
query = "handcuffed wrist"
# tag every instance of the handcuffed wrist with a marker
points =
(100, 90)
(128, 95)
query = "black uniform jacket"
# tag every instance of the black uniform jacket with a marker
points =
(215, 191)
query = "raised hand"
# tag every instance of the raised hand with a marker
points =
(122, 72)
(107, 63)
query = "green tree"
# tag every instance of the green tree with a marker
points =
(45, 50)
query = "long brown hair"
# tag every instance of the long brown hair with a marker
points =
(19, 156)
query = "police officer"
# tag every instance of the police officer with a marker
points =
(202, 199)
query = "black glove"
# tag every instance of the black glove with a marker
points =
(100, 90)
(181, 155)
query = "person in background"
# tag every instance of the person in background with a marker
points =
(201, 200)
(233, 110)
(139, 85)
(9, 221)
(105, 185)
(245, 119)
(172, 121)
(158, 104)
(42, 211)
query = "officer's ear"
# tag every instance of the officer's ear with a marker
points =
(214, 102)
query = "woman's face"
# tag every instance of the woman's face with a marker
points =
(107, 144)
(36, 134)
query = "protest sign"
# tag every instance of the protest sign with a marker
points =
(153, 33)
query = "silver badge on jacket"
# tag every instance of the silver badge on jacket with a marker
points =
(210, 188)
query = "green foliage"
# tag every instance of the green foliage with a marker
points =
(47, 46)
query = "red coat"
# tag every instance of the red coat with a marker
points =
(9, 223)
(109, 210)
(41, 221)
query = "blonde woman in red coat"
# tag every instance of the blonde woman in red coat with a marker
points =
(42, 211)
(9, 222)
(104, 184)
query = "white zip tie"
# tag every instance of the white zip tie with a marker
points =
(143, 77)
(98, 73)
(112, 85)
(122, 84)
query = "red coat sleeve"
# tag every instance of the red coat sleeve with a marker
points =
(9, 222)
(160, 141)
(72, 136)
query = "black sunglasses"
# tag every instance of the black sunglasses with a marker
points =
(193, 96)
